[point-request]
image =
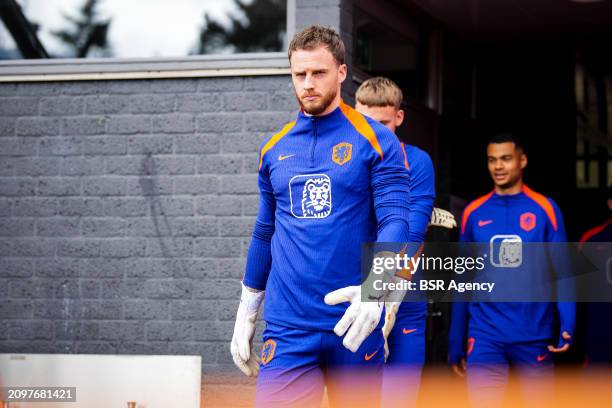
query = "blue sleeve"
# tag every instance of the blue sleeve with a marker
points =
(565, 285)
(422, 193)
(390, 184)
(259, 257)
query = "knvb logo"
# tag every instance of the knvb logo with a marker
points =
(506, 251)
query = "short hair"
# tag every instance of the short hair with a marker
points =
(508, 138)
(315, 36)
(379, 91)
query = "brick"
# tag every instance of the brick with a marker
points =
(262, 122)
(250, 205)
(232, 267)
(146, 309)
(19, 106)
(132, 124)
(55, 309)
(195, 185)
(31, 289)
(197, 144)
(115, 330)
(112, 288)
(227, 309)
(194, 310)
(58, 227)
(220, 164)
(266, 83)
(17, 187)
(125, 207)
(192, 349)
(82, 166)
(175, 165)
(128, 165)
(8, 89)
(170, 331)
(22, 146)
(84, 87)
(16, 309)
(89, 289)
(17, 227)
(173, 206)
(220, 84)
(61, 146)
(5, 248)
(26, 346)
(62, 106)
(158, 144)
(123, 248)
(33, 247)
(101, 309)
(148, 227)
(107, 104)
(58, 268)
(246, 101)
(173, 123)
(5, 207)
(16, 268)
(7, 126)
(245, 184)
(144, 348)
(76, 330)
(173, 85)
(280, 101)
(65, 288)
(7, 165)
(86, 125)
(232, 143)
(194, 268)
(39, 88)
(207, 102)
(211, 331)
(104, 145)
(170, 247)
(129, 87)
(149, 186)
(235, 227)
(38, 127)
(219, 122)
(31, 330)
(95, 347)
(152, 104)
(107, 186)
(217, 247)
(78, 248)
(103, 227)
(149, 268)
(38, 166)
(81, 207)
(193, 227)
(218, 205)
(168, 288)
(59, 187)
(217, 289)
(102, 268)
(35, 207)
(250, 163)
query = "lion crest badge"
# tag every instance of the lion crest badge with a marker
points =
(342, 153)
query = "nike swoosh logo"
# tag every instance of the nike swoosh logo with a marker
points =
(482, 223)
(283, 157)
(408, 331)
(542, 358)
(368, 357)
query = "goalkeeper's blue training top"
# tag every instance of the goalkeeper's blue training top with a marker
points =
(327, 185)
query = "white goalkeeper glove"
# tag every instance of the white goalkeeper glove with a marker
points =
(442, 218)
(241, 348)
(361, 317)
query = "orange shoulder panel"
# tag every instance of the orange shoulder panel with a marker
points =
(362, 126)
(593, 231)
(274, 140)
(471, 208)
(543, 202)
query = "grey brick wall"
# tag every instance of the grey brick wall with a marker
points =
(126, 209)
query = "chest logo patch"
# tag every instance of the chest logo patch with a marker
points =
(506, 251)
(310, 195)
(342, 153)
(527, 221)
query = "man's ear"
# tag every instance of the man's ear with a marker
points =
(342, 72)
(523, 161)
(399, 118)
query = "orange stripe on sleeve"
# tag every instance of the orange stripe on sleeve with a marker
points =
(471, 208)
(405, 157)
(593, 231)
(362, 126)
(274, 140)
(543, 202)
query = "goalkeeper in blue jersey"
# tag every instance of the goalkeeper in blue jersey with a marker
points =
(329, 181)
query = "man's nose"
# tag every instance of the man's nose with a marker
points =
(308, 82)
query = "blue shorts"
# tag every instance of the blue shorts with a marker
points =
(402, 373)
(296, 364)
(488, 367)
